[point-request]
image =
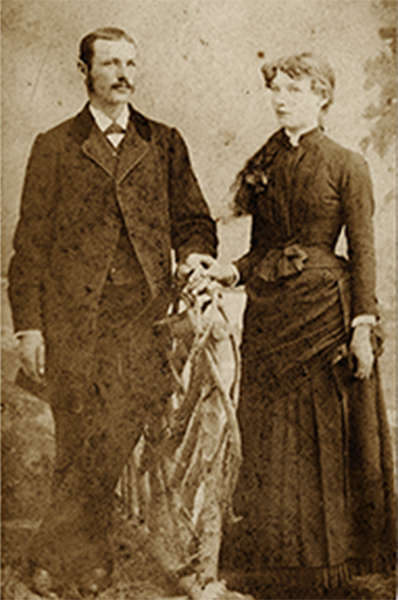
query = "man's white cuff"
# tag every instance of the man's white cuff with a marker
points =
(19, 334)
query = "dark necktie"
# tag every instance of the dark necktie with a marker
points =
(114, 128)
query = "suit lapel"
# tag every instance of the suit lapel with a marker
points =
(94, 145)
(132, 151)
(97, 148)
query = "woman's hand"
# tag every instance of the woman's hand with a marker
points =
(227, 275)
(199, 270)
(192, 269)
(361, 349)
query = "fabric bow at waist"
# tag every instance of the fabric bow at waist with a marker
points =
(282, 262)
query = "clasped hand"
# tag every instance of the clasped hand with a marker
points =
(198, 271)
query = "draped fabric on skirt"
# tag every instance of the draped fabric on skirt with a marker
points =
(315, 486)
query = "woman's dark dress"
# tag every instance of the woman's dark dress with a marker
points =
(316, 483)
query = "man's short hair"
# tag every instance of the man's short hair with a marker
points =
(86, 49)
(305, 64)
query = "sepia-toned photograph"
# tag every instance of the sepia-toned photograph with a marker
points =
(198, 300)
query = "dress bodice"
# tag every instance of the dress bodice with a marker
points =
(305, 195)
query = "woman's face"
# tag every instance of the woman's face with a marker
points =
(297, 106)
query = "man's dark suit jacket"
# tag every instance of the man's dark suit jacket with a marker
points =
(73, 199)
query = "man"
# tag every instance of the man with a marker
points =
(108, 195)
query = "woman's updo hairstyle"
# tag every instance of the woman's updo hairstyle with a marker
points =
(304, 65)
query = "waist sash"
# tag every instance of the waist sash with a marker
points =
(292, 259)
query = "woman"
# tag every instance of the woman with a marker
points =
(315, 489)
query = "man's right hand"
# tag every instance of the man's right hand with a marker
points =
(31, 352)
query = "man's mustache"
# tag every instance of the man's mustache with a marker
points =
(122, 83)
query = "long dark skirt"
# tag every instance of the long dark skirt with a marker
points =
(316, 487)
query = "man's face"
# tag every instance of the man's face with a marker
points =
(297, 106)
(111, 78)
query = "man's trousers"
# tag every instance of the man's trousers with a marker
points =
(128, 387)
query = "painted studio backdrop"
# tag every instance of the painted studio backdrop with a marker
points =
(199, 70)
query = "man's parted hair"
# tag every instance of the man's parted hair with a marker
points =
(86, 49)
(300, 65)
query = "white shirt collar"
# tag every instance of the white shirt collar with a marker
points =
(103, 121)
(294, 138)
